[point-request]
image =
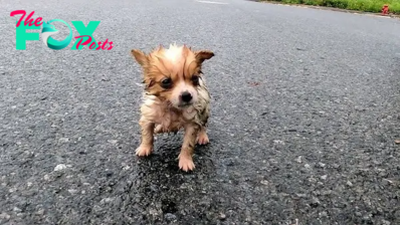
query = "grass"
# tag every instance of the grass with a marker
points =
(374, 6)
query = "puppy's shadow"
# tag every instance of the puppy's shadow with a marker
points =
(163, 187)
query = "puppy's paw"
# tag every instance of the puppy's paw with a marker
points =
(144, 150)
(202, 139)
(186, 163)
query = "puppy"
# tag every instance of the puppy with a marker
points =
(175, 98)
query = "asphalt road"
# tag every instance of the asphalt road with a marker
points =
(305, 109)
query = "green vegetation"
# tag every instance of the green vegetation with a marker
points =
(374, 6)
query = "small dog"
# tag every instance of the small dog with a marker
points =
(175, 98)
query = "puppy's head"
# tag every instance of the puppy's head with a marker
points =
(173, 74)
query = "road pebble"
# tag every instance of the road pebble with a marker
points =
(60, 167)
(4, 216)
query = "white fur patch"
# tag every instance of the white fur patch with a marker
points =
(174, 53)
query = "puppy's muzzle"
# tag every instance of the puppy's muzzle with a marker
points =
(185, 98)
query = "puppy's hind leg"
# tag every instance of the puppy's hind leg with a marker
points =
(202, 137)
(159, 129)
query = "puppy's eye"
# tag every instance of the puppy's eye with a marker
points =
(195, 80)
(166, 83)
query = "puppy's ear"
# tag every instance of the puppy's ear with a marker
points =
(139, 56)
(203, 55)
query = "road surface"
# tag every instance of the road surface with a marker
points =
(305, 109)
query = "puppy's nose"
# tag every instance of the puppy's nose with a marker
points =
(186, 96)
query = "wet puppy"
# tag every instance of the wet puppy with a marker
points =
(175, 98)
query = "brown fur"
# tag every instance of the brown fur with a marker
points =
(162, 109)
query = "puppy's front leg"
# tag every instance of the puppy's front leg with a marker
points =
(146, 145)
(189, 141)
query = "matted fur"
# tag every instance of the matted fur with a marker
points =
(162, 109)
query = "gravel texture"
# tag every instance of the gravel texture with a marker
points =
(304, 118)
